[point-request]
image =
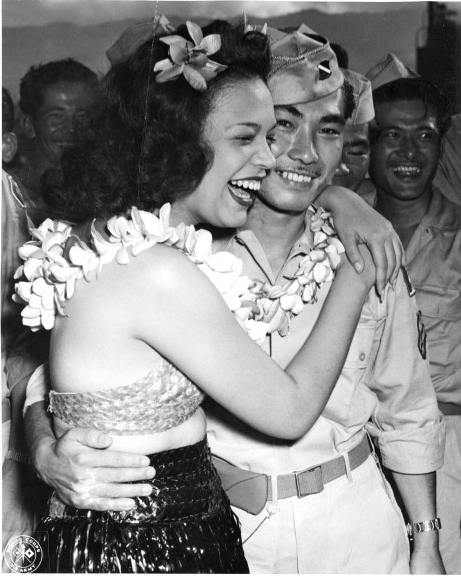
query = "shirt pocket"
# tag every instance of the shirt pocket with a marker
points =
(439, 302)
(350, 404)
(362, 342)
(441, 316)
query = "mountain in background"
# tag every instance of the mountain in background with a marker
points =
(366, 37)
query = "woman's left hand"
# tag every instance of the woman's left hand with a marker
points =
(358, 223)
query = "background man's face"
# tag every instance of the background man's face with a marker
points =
(405, 149)
(355, 158)
(53, 123)
(308, 145)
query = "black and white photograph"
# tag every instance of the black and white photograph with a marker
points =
(231, 287)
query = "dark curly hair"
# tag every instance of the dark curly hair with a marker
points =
(39, 78)
(142, 143)
(415, 89)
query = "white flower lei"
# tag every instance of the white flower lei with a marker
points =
(259, 307)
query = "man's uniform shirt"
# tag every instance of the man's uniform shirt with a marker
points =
(384, 380)
(434, 264)
(384, 388)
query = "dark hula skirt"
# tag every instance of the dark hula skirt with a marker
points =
(185, 525)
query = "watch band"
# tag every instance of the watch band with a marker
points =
(425, 526)
(17, 456)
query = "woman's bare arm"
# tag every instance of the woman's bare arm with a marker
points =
(218, 356)
(358, 223)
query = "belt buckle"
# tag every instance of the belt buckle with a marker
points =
(317, 472)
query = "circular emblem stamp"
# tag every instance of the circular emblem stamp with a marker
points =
(23, 554)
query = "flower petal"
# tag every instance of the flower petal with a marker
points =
(80, 256)
(320, 272)
(167, 75)
(173, 39)
(287, 301)
(30, 250)
(39, 287)
(195, 32)
(336, 242)
(48, 319)
(195, 79)
(163, 65)
(285, 326)
(33, 323)
(32, 268)
(24, 290)
(178, 53)
(210, 44)
(309, 292)
(122, 256)
(257, 330)
(202, 249)
(333, 256)
(277, 320)
(48, 299)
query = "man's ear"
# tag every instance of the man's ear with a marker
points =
(28, 126)
(9, 146)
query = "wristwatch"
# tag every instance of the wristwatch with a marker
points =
(425, 526)
(18, 457)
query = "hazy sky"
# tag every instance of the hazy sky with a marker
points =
(38, 12)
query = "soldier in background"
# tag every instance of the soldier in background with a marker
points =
(406, 143)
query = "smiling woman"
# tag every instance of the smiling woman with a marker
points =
(238, 130)
(176, 139)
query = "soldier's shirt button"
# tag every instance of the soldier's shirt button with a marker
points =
(362, 356)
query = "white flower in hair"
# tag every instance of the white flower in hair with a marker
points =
(190, 59)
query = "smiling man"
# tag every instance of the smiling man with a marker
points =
(410, 123)
(411, 119)
(52, 97)
(303, 506)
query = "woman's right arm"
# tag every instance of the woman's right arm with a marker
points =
(217, 355)
(86, 472)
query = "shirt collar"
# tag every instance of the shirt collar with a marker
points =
(301, 247)
(442, 213)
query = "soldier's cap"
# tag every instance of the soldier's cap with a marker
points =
(388, 69)
(134, 36)
(363, 97)
(303, 69)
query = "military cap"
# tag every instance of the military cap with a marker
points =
(134, 36)
(304, 67)
(363, 97)
(387, 70)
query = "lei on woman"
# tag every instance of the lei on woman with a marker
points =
(259, 307)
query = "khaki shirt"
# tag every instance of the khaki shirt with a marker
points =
(384, 387)
(448, 176)
(434, 264)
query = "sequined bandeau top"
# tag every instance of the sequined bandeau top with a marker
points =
(161, 400)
